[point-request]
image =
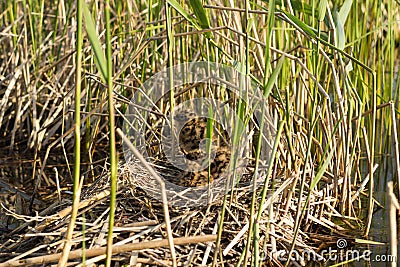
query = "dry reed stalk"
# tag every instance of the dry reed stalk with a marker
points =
(77, 254)
(163, 192)
(394, 207)
(395, 143)
(36, 88)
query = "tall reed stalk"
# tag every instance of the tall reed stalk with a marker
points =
(111, 118)
(77, 131)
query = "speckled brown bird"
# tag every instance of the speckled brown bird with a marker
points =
(201, 168)
(196, 167)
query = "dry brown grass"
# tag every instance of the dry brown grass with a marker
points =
(326, 111)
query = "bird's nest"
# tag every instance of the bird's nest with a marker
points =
(250, 213)
(140, 228)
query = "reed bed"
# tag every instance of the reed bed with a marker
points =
(327, 73)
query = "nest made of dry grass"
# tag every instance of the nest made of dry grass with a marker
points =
(37, 122)
(139, 219)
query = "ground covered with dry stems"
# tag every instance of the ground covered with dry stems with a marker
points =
(304, 187)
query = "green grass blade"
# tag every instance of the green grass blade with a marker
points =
(322, 9)
(112, 142)
(77, 150)
(200, 13)
(184, 13)
(95, 42)
(345, 10)
(321, 171)
(273, 78)
(299, 6)
(307, 29)
(340, 35)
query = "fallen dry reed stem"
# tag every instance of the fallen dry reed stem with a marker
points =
(36, 117)
(76, 254)
(163, 192)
